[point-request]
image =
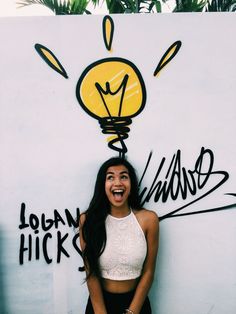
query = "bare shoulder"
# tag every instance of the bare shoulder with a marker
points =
(146, 214)
(147, 218)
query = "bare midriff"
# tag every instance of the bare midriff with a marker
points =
(119, 286)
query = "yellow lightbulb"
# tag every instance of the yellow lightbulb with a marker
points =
(112, 90)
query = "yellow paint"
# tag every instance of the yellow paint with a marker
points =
(113, 73)
(171, 52)
(167, 57)
(108, 30)
(110, 138)
(51, 59)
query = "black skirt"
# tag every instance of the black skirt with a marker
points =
(116, 303)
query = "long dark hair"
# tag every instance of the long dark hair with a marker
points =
(93, 231)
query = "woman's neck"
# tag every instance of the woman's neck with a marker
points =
(120, 212)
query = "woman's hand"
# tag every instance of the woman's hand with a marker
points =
(128, 311)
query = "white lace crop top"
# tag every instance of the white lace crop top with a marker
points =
(125, 250)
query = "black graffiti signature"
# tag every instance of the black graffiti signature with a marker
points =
(32, 246)
(182, 183)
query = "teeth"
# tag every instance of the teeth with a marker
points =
(118, 191)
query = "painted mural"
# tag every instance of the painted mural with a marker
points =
(163, 101)
(111, 90)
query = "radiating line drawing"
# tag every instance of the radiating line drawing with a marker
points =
(111, 90)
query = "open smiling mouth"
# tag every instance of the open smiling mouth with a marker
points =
(118, 194)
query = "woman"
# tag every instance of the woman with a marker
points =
(119, 241)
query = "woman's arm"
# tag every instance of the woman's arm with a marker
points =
(95, 292)
(150, 222)
(93, 283)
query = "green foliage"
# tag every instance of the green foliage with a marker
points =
(137, 6)
(131, 6)
(114, 6)
(189, 5)
(221, 6)
(60, 7)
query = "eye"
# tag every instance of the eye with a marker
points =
(124, 177)
(109, 178)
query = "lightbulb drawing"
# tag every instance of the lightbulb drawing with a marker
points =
(111, 90)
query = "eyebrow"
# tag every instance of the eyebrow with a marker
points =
(122, 172)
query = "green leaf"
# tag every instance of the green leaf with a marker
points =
(221, 6)
(189, 5)
(60, 7)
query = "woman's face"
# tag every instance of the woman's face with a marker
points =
(117, 186)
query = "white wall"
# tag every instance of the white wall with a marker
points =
(51, 150)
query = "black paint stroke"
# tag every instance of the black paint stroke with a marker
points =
(162, 64)
(115, 125)
(74, 242)
(34, 222)
(204, 211)
(39, 48)
(164, 190)
(108, 43)
(108, 91)
(33, 247)
(231, 194)
(107, 60)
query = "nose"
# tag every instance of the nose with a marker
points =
(117, 181)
